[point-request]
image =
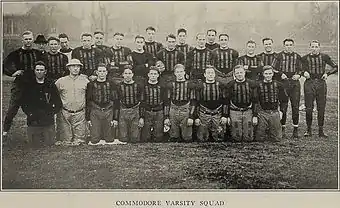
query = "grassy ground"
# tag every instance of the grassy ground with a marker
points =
(306, 163)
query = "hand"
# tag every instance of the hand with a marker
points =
(160, 66)
(112, 63)
(255, 121)
(89, 123)
(306, 75)
(228, 121)
(123, 63)
(141, 123)
(92, 77)
(197, 122)
(167, 122)
(246, 67)
(190, 122)
(281, 114)
(223, 121)
(296, 77)
(146, 65)
(18, 73)
(114, 123)
(324, 76)
(283, 76)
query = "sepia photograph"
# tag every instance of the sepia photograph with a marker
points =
(101, 95)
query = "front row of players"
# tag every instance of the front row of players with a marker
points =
(142, 111)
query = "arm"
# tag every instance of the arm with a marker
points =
(235, 56)
(89, 91)
(56, 99)
(331, 63)
(8, 65)
(283, 97)
(165, 93)
(255, 100)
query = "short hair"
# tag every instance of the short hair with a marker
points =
(98, 32)
(267, 67)
(239, 66)
(314, 41)
(101, 65)
(223, 34)
(86, 34)
(250, 41)
(63, 35)
(128, 66)
(212, 30)
(264, 39)
(153, 68)
(27, 32)
(41, 63)
(139, 36)
(150, 28)
(198, 34)
(118, 33)
(53, 38)
(288, 40)
(209, 67)
(170, 36)
(177, 66)
(181, 30)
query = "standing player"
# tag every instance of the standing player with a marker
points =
(211, 37)
(151, 46)
(128, 103)
(64, 45)
(41, 43)
(182, 45)
(268, 55)
(89, 56)
(211, 108)
(169, 57)
(199, 58)
(289, 65)
(242, 101)
(99, 43)
(271, 95)
(19, 64)
(55, 61)
(252, 64)
(315, 87)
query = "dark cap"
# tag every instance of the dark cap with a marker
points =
(40, 39)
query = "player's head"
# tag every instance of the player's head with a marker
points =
(179, 71)
(288, 44)
(314, 46)
(153, 74)
(40, 42)
(268, 73)
(86, 40)
(150, 33)
(101, 71)
(267, 43)
(211, 36)
(251, 46)
(171, 41)
(40, 70)
(127, 73)
(200, 40)
(139, 41)
(118, 39)
(182, 35)
(98, 37)
(64, 41)
(53, 44)
(224, 40)
(27, 39)
(209, 73)
(239, 73)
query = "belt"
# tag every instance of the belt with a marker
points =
(100, 108)
(71, 111)
(128, 107)
(207, 111)
(235, 108)
(154, 109)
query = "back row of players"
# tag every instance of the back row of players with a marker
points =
(287, 66)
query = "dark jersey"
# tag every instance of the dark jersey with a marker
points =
(120, 58)
(316, 64)
(153, 47)
(185, 49)
(271, 95)
(56, 65)
(139, 61)
(254, 64)
(90, 58)
(288, 63)
(226, 59)
(170, 59)
(154, 97)
(212, 46)
(197, 61)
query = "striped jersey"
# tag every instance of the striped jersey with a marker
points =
(212, 95)
(212, 46)
(316, 64)
(67, 52)
(254, 64)
(153, 47)
(226, 59)
(90, 58)
(185, 49)
(128, 96)
(154, 97)
(197, 61)
(288, 63)
(56, 65)
(267, 58)
(271, 94)
(139, 60)
(119, 56)
(170, 59)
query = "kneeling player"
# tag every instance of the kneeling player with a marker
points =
(181, 94)
(211, 108)
(270, 93)
(242, 113)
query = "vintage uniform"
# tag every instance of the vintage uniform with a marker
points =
(271, 95)
(56, 65)
(141, 63)
(197, 61)
(211, 99)
(155, 109)
(67, 52)
(153, 47)
(128, 103)
(185, 49)
(226, 59)
(254, 64)
(119, 56)
(315, 88)
(212, 46)
(20, 59)
(105, 51)
(169, 59)
(90, 58)
(182, 96)
(40, 101)
(71, 123)
(268, 60)
(241, 108)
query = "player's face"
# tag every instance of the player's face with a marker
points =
(180, 73)
(201, 41)
(240, 74)
(171, 43)
(74, 69)
(209, 74)
(224, 41)
(268, 45)
(289, 46)
(86, 41)
(139, 43)
(315, 48)
(127, 75)
(153, 75)
(150, 34)
(251, 48)
(53, 45)
(117, 40)
(40, 71)
(64, 43)
(98, 39)
(268, 75)
(27, 40)
(211, 36)
(101, 72)
(182, 37)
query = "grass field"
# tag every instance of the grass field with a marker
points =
(305, 163)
